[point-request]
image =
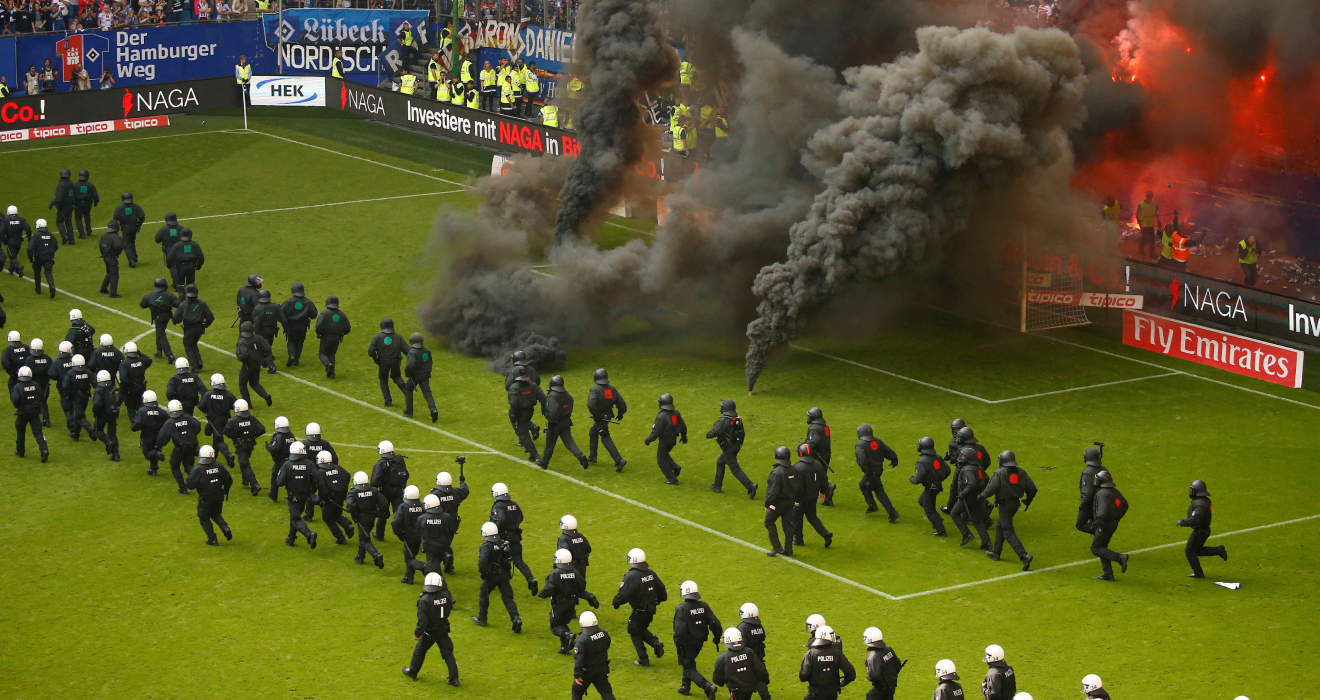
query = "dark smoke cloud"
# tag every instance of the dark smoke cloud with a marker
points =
(1111, 107)
(924, 135)
(624, 54)
(1245, 32)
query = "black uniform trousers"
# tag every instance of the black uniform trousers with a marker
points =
(249, 376)
(600, 432)
(243, 451)
(191, 336)
(1196, 549)
(183, 274)
(667, 465)
(873, 490)
(107, 426)
(77, 415)
(82, 217)
(807, 511)
(522, 427)
(44, 263)
(975, 512)
(148, 445)
(21, 424)
(64, 222)
(14, 264)
(1100, 545)
(1085, 511)
(446, 646)
(555, 432)
(182, 455)
(1008, 507)
(111, 280)
(332, 513)
(162, 323)
(515, 552)
(561, 614)
(783, 512)
(218, 439)
(639, 629)
(412, 548)
(388, 372)
(395, 496)
(506, 593)
(294, 337)
(822, 692)
(329, 347)
(364, 525)
(729, 458)
(410, 386)
(132, 394)
(297, 504)
(927, 501)
(45, 403)
(880, 693)
(130, 248)
(437, 556)
(601, 682)
(209, 510)
(687, 651)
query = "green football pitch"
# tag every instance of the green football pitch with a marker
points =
(109, 591)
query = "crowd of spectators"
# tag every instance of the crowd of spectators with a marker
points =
(73, 16)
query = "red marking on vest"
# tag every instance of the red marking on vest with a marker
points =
(827, 431)
(875, 445)
(978, 454)
(673, 420)
(609, 393)
(1012, 478)
(526, 393)
(1118, 502)
(980, 474)
(937, 465)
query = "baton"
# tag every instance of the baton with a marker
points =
(236, 317)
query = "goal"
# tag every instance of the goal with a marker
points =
(1050, 296)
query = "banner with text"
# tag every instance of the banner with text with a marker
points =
(131, 102)
(288, 90)
(342, 27)
(1206, 346)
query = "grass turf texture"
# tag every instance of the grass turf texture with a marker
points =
(110, 590)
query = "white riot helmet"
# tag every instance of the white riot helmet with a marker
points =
(240, 406)
(15, 337)
(489, 531)
(206, 454)
(103, 376)
(872, 635)
(174, 406)
(360, 479)
(25, 372)
(78, 361)
(217, 380)
(749, 610)
(689, 590)
(37, 344)
(148, 396)
(444, 479)
(431, 501)
(1092, 682)
(74, 314)
(946, 671)
(315, 429)
(567, 523)
(563, 556)
(385, 447)
(499, 490)
(824, 635)
(281, 423)
(636, 556)
(814, 621)
(1027, 696)
(297, 448)
(181, 364)
(433, 582)
(993, 653)
(588, 619)
(12, 210)
(41, 223)
(411, 493)
(130, 347)
(324, 457)
(65, 346)
(106, 340)
(732, 637)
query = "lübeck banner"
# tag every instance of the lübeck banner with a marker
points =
(1206, 346)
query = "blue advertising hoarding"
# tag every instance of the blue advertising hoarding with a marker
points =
(307, 39)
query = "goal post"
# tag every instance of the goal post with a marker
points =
(1049, 296)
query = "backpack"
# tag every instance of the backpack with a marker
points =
(1121, 506)
(735, 433)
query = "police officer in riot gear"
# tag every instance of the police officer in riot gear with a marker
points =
(999, 683)
(955, 443)
(168, 235)
(450, 499)
(14, 356)
(368, 506)
(298, 312)
(871, 454)
(61, 365)
(1093, 687)
(882, 665)
(42, 365)
(417, 370)
(404, 525)
(668, 430)
(278, 447)
(331, 327)
(390, 475)
(729, 434)
(434, 609)
(25, 394)
(508, 517)
(195, 317)
(524, 397)
(41, 253)
(216, 404)
(248, 296)
(564, 586)
(558, 411)
(147, 422)
(106, 402)
(591, 659)
(77, 384)
(435, 533)
(315, 444)
(80, 333)
(1198, 519)
(185, 386)
(85, 197)
(111, 246)
(949, 688)
(576, 543)
(602, 403)
(296, 478)
(162, 302)
(132, 375)
(751, 629)
(738, 667)
(180, 429)
(185, 259)
(244, 429)
(782, 490)
(332, 482)
(965, 503)
(930, 474)
(643, 590)
(521, 366)
(129, 217)
(211, 481)
(106, 357)
(63, 206)
(822, 664)
(386, 350)
(693, 622)
(1110, 507)
(1008, 485)
(494, 563)
(1086, 489)
(813, 485)
(267, 317)
(14, 229)
(253, 353)
(818, 436)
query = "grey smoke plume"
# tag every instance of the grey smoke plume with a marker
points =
(1245, 32)
(969, 111)
(624, 53)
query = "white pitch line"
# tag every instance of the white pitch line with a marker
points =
(518, 460)
(629, 228)
(365, 160)
(1091, 386)
(1093, 560)
(406, 449)
(891, 374)
(115, 141)
(142, 335)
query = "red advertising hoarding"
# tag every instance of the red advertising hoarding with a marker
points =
(1206, 346)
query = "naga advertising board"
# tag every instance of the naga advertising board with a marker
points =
(287, 90)
(1213, 348)
(126, 103)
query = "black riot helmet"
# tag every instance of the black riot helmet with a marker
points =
(254, 280)
(332, 302)
(263, 295)
(967, 454)
(520, 374)
(815, 414)
(387, 324)
(600, 376)
(865, 432)
(415, 340)
(161, 283)
(1198, 490)
(557, 382)
(666, 402)
(112, 226)
(1102, 478)
(1007, 459)
(64, 173)
(127, 197)
(965, 434)
(83, 176)
(519, 357)
(190, 291)
(926, 446)
(185, 234)
(728, 408)
(245, 329)
(804, 450)
(956, 425)
(783, 457)
(298, 289)
(1092, 457)
(171, 218)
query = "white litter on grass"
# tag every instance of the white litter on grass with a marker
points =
(1229, 586)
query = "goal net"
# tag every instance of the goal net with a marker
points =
(1050, 297)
